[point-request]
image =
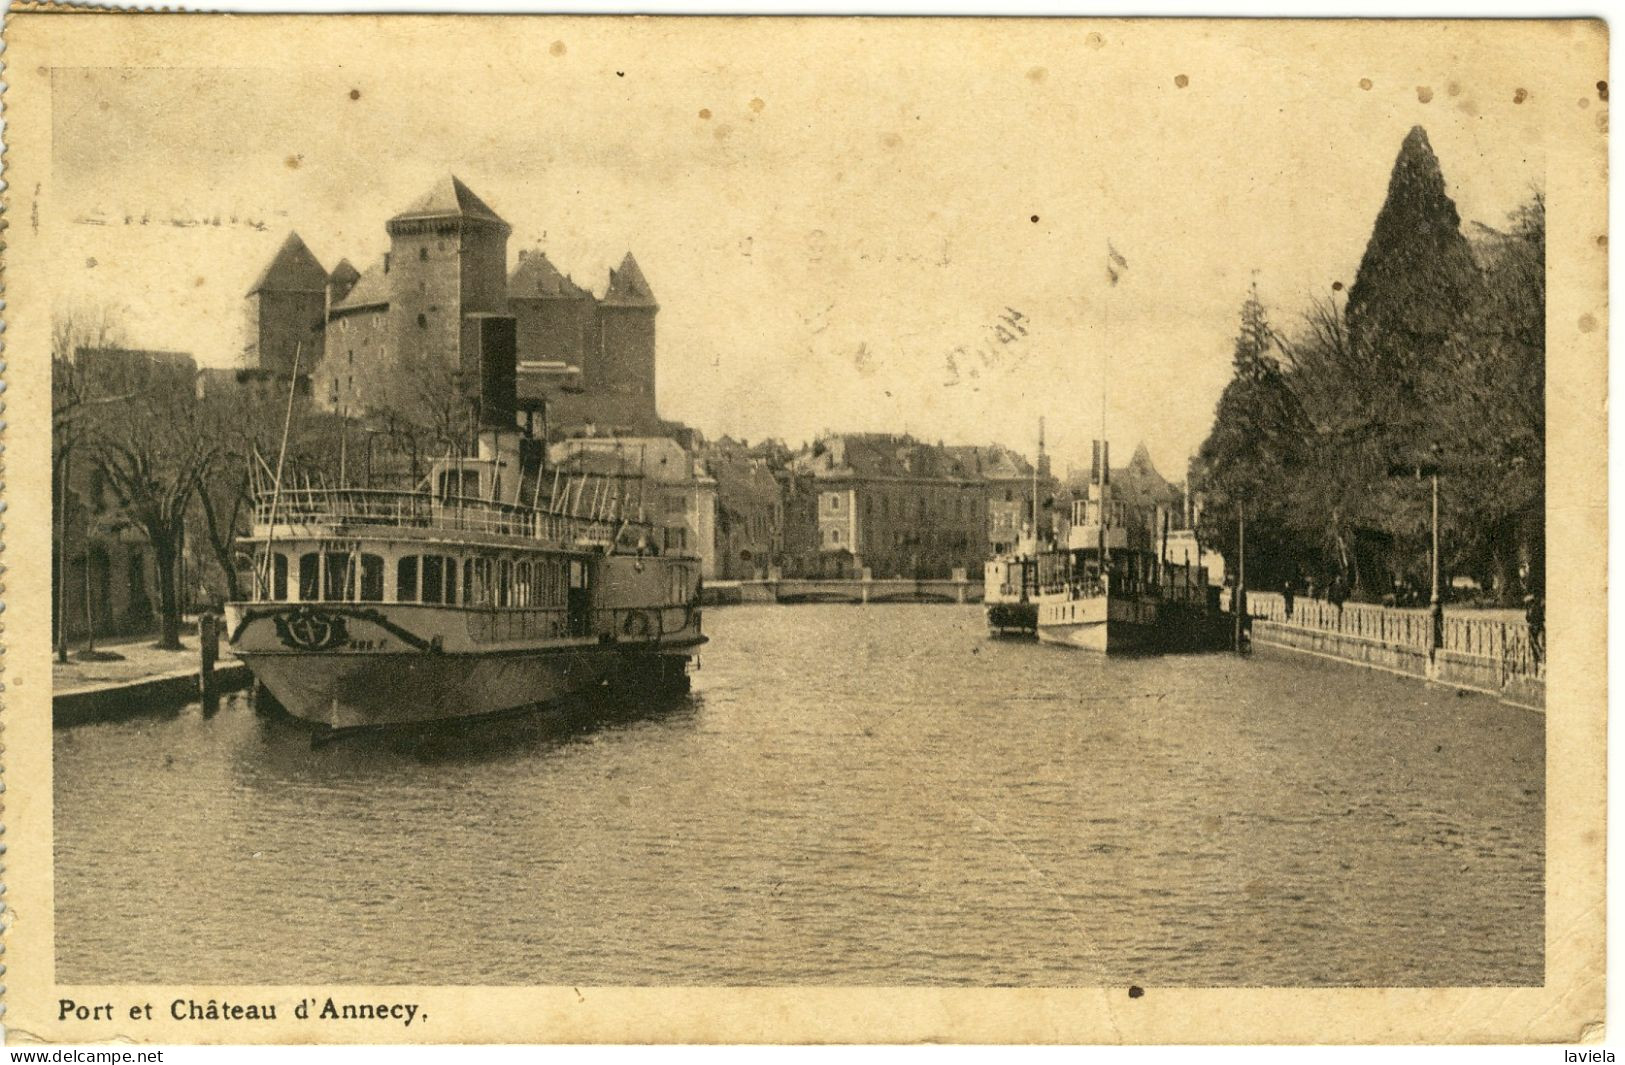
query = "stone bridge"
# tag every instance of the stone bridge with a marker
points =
(845, 590)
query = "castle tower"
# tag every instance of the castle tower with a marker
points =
(287, 311)
(625, 363)
(448, 258)
(557, 319)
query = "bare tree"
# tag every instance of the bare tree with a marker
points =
(73, 425)
(153, 449)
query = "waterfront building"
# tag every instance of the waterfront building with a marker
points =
(894, 506)
(104, 569)
(750, 509)
(1011, 483)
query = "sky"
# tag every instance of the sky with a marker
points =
(826, 212)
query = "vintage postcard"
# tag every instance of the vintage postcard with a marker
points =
(593, 529)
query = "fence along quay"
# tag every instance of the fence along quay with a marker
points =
(1481, 654)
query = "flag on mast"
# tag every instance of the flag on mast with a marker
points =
(1116, 265)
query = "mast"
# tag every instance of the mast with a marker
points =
(264, 579)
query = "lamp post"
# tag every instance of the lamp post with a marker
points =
(1430, 470)
(1436, 603)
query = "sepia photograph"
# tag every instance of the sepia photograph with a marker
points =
(729, 519)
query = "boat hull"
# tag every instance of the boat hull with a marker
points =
(1012, 619)
(1130, 626)
(351, 691)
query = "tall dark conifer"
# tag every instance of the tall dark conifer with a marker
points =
(1417, 274)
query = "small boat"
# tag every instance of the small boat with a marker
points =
(1010, 593)
(1010, 578)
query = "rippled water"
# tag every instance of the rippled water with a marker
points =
(852, 795)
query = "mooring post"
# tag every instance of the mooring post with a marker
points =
(208, 645)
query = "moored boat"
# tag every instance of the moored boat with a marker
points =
(381, 607)
(1111, 590)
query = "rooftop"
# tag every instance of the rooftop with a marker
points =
(628, 287)
(450, 198)
(292, 269)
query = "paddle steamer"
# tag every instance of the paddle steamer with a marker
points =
(454, 599)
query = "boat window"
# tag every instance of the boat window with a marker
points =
(578, 574)
(434, 579)
(504, 583)
(482, 582)
(521, 585)
(406, 579)
(279, 577)
(310, 577)
(340, 582)
(468, 581)
(372, 579)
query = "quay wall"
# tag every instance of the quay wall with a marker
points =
(1485, 655)
(120, 699)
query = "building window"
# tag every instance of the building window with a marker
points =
(423, 255)
(423, 321)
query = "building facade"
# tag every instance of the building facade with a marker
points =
(893, 506)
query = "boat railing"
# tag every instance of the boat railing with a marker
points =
(623, 624)
(387, 508)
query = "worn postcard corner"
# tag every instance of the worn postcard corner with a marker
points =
(566, 529)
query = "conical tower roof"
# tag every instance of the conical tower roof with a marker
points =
(628, 287)
(450, 198)
(342, 280)
(292, 269)
(344, 273)
(537, 276)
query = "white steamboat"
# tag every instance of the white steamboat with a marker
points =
(377, 608)
(1113, 591)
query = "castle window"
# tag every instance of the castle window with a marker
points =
(352, 357)
(423, 254)
(423, 322)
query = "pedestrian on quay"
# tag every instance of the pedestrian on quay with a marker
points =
(1534, 615)
(1289, 591)
(1339, 593)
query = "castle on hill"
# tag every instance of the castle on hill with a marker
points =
(425, 315)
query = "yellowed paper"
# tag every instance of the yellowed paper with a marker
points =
(838, 218)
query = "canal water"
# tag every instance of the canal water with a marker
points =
(851, 795)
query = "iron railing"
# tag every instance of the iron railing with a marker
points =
(386, 508)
